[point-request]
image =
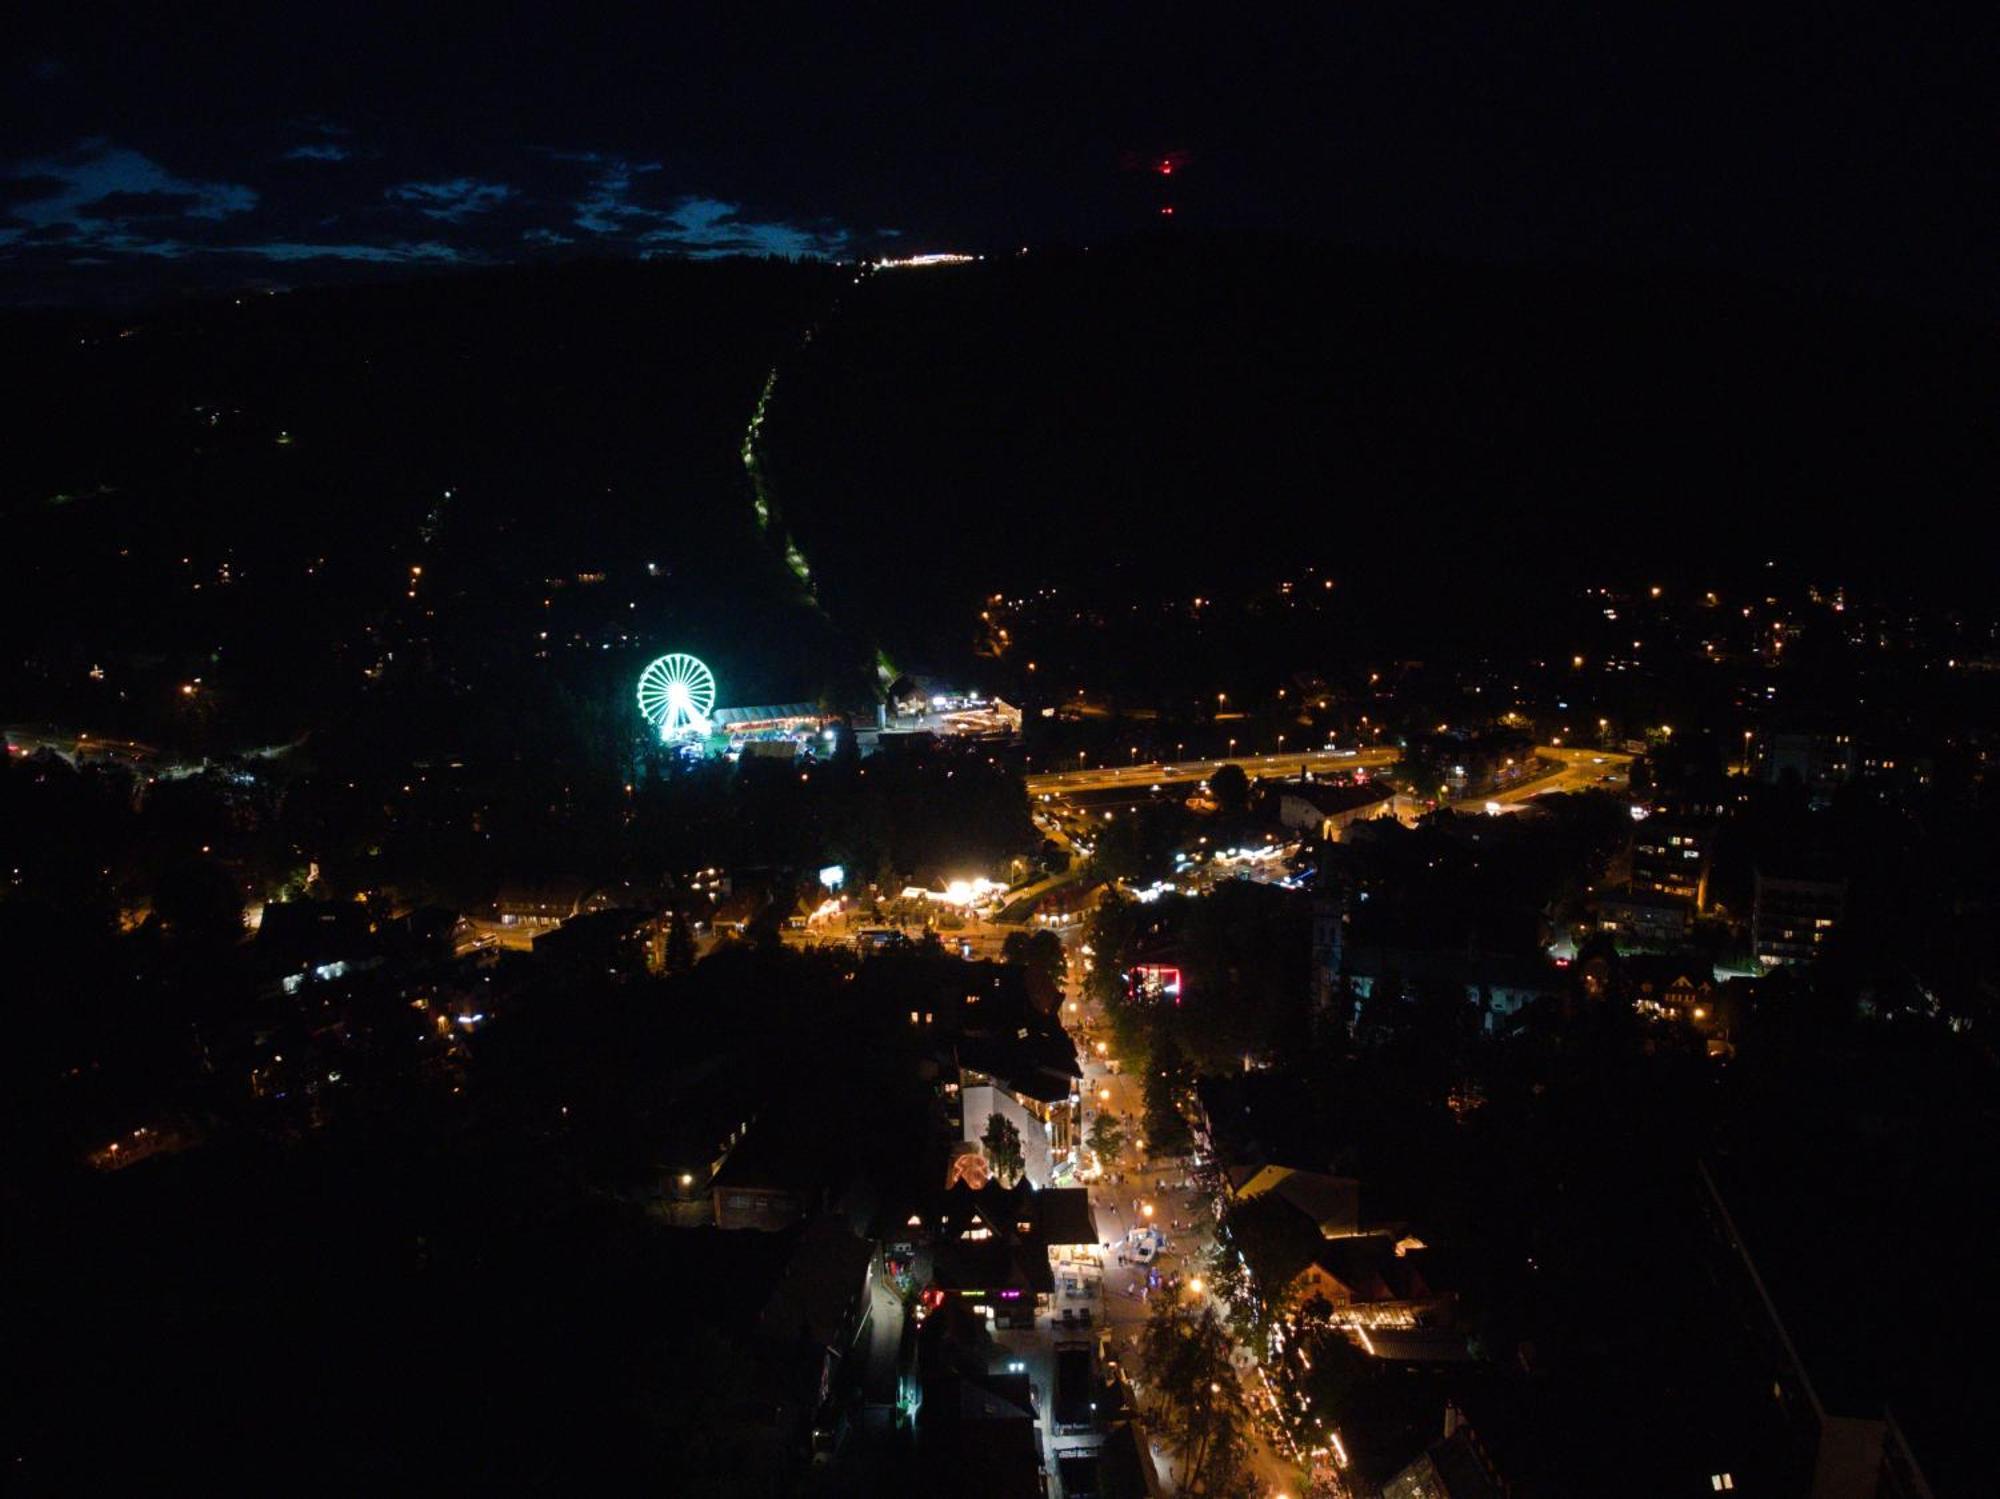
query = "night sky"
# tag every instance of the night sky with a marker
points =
(150, 149)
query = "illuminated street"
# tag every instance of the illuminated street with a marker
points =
(1137, 777)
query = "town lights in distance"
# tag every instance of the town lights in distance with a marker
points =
(676, 695)
(907, 261)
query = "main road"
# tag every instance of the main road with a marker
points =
(1130, 777)
(1581, 770)
(1179, 1209)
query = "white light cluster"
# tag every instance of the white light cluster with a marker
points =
(923, 260)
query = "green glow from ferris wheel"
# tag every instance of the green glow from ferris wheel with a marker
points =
(676, 695)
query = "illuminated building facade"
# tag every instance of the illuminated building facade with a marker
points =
(1791, 918)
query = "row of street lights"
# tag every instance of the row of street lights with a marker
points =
(1180, 752)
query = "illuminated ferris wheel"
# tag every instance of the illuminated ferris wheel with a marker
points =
(676, 694)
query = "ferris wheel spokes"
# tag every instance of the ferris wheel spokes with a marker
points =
(676, 695)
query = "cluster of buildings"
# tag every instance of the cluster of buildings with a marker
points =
(867, 1273)
(1377, 1276)
(970, 1332)
(1797, 896)
(351, 1009)
(1354, 1263)
(1496, 984)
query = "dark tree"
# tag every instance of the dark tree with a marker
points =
(680, 944)
(1041, 954)
(1277, 1242)
(1167, 1131)
(1198, 1397)
(1107, 1137)
(199, 905)
(1231, 789)
(1003, 1148)
(1338, 1369)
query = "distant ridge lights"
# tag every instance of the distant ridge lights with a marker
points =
(915, 261)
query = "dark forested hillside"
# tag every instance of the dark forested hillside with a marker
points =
(1447, 440)
(316, 498)
(279, 494)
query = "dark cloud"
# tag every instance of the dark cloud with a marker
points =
(28, 189)
(141, 205)
(292, 252)
(122, 205)
(616, 207)
(451, 201)
(94, 172)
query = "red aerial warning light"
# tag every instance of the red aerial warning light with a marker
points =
(1168, 211)
(1167, 168)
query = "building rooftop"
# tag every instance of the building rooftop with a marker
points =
(1063, 1216)
(313, 931)
(1332, 798)
(732, 718)
(817, 1290)
(1371, 1269)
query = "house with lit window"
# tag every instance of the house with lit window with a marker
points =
(1670, 988)
(1498, 985)
(1012, 1253)
(1325, 809)
(1456, 1467)
(1029, 1076)
(1791, 917)
(1374, 1280)
(1642, 920)
(1672, 856)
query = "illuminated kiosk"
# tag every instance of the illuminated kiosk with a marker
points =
(676, 696)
